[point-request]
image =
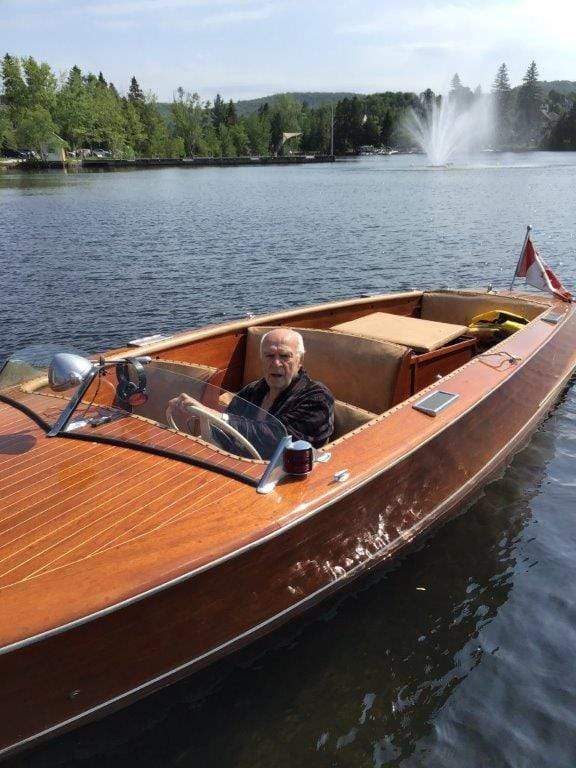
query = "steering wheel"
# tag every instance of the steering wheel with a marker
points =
(207, 418)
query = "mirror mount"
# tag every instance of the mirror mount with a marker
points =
(67, 371)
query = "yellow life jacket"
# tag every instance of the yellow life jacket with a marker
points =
(496, 325)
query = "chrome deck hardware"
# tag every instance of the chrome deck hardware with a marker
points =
(435, 402)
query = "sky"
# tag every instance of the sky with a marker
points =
(248, 48)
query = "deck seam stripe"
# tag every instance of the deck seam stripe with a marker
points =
(69, 522)
(110, 545)
(104, 480)
(121, 464)
(49, 566)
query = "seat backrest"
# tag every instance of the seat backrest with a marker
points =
(360, 371)
(348, 417)
(460, 308)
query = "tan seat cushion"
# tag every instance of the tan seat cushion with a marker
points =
(348, 417)
(356, 370)
(420, 335)
(462, 307)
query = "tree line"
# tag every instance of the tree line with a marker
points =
(77, 110)
(524, 117)
(527, 117)
(85, 111)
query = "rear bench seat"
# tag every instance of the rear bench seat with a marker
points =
(362, 374)
(414, 332)
(461, 307)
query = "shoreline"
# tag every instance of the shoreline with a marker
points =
(162, 162)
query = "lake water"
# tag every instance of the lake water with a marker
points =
(463, 655)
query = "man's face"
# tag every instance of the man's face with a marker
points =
(280, 359)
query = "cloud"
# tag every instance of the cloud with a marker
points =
(152, 6)
(480, 24)
(180, 15)
(420, 42)
(234, 17)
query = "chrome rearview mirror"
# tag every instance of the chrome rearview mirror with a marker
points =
(67, 370)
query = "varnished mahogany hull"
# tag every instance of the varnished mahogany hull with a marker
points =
(87, 670)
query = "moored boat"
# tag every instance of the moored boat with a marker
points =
(134, 551)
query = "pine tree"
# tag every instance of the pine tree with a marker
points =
(502, 95)
(134, 129)
(529, 106)
(231, 116)
(102, 80)
(73, 112)
(74, 79)
(456, 83)
(461, 96)
(218, 111)
(135, 93)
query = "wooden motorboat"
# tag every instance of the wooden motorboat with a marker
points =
(133, 553)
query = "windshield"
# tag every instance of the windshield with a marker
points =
(152, 403)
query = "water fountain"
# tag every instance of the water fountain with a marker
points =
(445, 132)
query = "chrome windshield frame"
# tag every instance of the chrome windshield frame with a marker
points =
(274, 472)
(97, 369)
(66, 414)
(64, 425)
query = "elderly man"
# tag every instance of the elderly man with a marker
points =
(303, 406)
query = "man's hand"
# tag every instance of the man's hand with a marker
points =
(178, 405)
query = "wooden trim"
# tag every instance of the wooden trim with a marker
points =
(181, 339)
(426, 367)
(403, 387)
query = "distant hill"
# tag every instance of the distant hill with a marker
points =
(164, 109)
(313, 98)
(316, 98)
(565, 87)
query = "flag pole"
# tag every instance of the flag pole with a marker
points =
(528, 230)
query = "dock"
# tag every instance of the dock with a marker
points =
(169, 162)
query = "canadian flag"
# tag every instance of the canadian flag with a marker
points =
(538, 273)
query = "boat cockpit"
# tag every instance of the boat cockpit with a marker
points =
(372, 353)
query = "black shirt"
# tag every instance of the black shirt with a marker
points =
(305, 408)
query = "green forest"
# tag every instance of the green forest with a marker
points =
(78, 111)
